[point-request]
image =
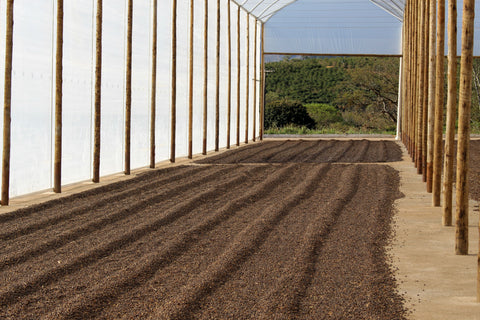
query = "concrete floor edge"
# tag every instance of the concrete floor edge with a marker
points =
(436, 283)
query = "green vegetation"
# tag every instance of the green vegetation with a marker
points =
(340, 95)
(323, 114)
(475, 96)
(290, 129)
(281, 113)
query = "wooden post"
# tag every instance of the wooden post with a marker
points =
(408, 79)
(417, 106)
(255, 83)
(238, 76)
(439, 101)
(478, 268)
(400, 100)
(217, 90)
(262, 80)
(57, 163)
(464, 105)
(451, 113)
(421, 84)
(247, 97)
(405, 74)
(173, 115)
(405, 68)
(205, 79)
(229, 90)
(415, 82)
(153, 101)
(426, 75)
(7, 105)
(190, 83)
(128, 105)
(98, 92)
(431, 94)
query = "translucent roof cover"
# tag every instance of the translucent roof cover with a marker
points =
(336, 27)
(265, 9)
(394, 7)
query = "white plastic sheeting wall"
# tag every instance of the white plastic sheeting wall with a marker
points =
(113, 86)
(32, 91)
(78, 90)
(141, 83)
(183, 23)
(212, 42)
(243, 73)
(198, 74)
(33, 85)
(164, 80)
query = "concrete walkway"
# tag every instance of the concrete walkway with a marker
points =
(436, 283)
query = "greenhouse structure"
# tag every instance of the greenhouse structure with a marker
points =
(99, 87)
(95, 88)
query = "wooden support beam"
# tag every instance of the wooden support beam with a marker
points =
(57, 162)
(405, 44)
(416, 42)
(425, 93)
(431, 93)
(451, 114)
(217, 86)
(421, 85)
(247, 93)
(409, 52)
(262, 80)
(98, 92)
(409, 74)
(153, 97)
(229, 86)
(255, 83)
(464, 106)
(400, 100)
(205, 78)
(439, 104)
(173, 111)
(190, 82)
(312, 54)
(238, 76)
(128, 104)
(7, 105)
(410, 79)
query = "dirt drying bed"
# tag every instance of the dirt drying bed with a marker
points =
(231, 241)
(312, 151)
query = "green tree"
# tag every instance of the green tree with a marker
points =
(285, 112)
(323, 114)
(372, 84)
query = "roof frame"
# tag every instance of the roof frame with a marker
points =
(393, 7)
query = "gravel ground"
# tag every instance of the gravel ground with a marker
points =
(276, 230)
